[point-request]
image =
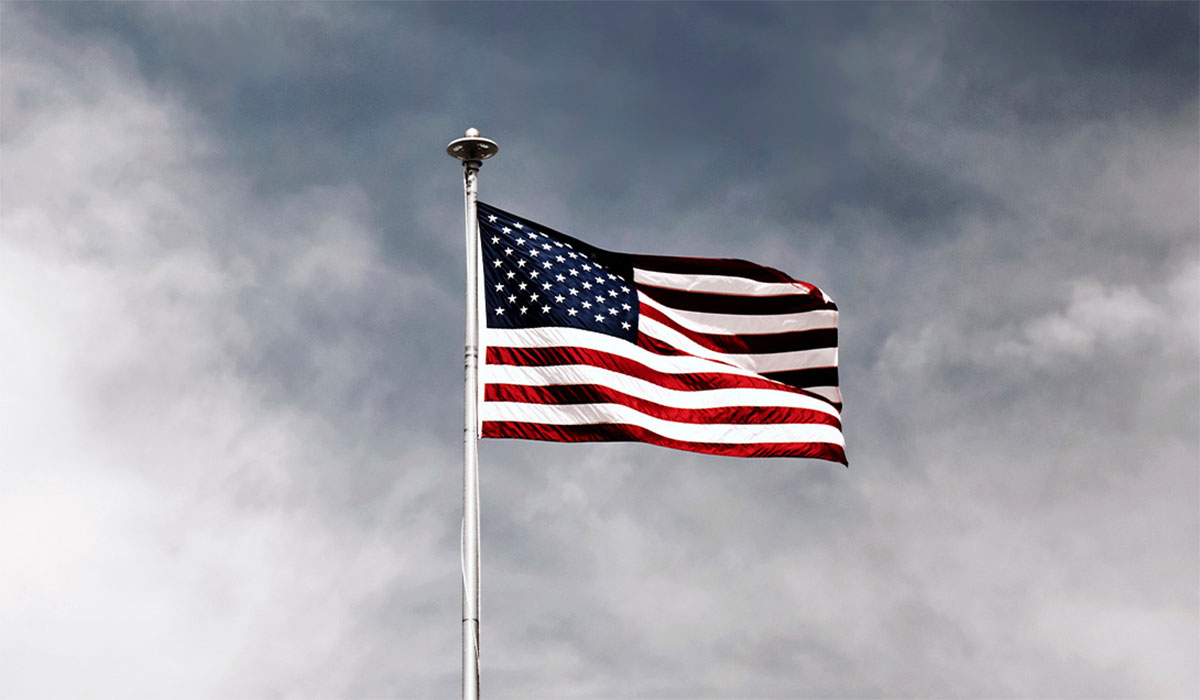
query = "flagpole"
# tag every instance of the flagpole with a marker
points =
(472, 150)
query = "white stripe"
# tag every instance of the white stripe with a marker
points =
(785, 361)
(720, 284)
(759, 363)
(557, 336)
(670, 336)
(722, 433)
(733, 324)
(557, 375)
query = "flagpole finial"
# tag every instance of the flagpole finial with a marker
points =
(472, 149)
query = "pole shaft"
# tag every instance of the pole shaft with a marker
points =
(470, 524)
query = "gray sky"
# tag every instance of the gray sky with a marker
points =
(231, 328)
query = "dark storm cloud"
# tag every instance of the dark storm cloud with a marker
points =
(251, 211)
(660, 80)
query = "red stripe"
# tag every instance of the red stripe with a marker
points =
(657, 346)
(709, 302)
(620, 432)
(594, 393)
(689, 381)
(709, 266)
(809, 376)
(751, 343)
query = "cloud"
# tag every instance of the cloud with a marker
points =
(229, 323)
(168, 514)
(1095, 316)
(1096, 323)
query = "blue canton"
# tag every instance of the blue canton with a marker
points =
(534, 278)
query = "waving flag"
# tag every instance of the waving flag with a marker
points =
(707, 355)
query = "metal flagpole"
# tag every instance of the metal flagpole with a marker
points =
(472, 150)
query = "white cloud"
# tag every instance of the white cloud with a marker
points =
(1095, 316)
(163, 534)
(1097, 322)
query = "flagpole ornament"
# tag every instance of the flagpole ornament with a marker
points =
(472, 149)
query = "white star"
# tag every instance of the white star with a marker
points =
(558, 244)
(508, 251)
(587, 285)
(560, 278)
(521, 263)
(561, 259)
(534, 253)
(506, 230)
(624, 288)
(492, 219)
(499, 287)
(511, 274)
(599, 298)
(611, 276)
(625, 306)
(545, 309)
(497, 263)
(495, 240)
(518, 225)
(572, 311)
(499, 310)
(533, 297)
(573, 272)
(625, 325)
(586, 304)
(546, 285)
(520, 241)
(547, 264)
(512, 298)
(521, 286)
(534, 274)
(599, 317)
(524, 309)
(572, 255)
(612, 312)
(612, 292)
(559, 298)
(572, 291)
(545, 246)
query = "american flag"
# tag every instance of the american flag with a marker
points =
(707, 355)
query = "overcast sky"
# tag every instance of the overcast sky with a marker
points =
(231, 322)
